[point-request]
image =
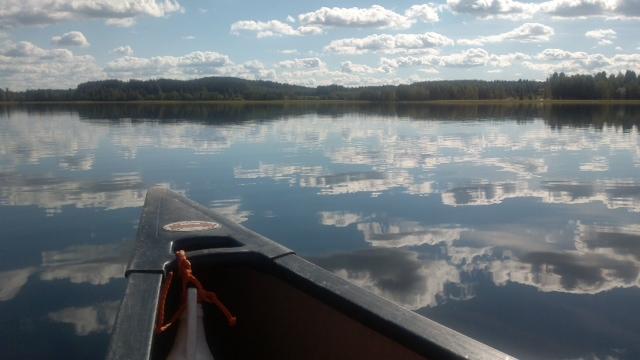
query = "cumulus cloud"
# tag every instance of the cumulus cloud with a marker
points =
(24, 64)
(570, 9)
(121, 22)
(72, 38)
(375, 16)
(603, 36)
(559, 54)
(557, 60)
(314, 22)
(125, 50)
(351, 68)
(272, 28)
(423, 12)
(487, 9)
(388, 43)
(197, 63)
(577, 8)
(525, 33)
(466, 58)
(304, 63)
(479, 57)
(41, 12)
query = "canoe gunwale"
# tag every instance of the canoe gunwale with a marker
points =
(153, 256)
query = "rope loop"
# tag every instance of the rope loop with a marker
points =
(187, 278)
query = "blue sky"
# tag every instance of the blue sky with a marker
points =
(57, 44)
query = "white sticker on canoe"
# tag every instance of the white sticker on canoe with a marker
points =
(191, 226)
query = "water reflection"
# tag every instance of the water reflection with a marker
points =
(12, 281)
(480, 216)
(89, 319)
(556, 116)
(406, 233)
(614, 194)
(91, 264)
(52, 193)
(603, 257)
(231, 209)
(398, 275)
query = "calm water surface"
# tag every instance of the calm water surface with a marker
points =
(518, 226)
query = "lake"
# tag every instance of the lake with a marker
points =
(516, 225)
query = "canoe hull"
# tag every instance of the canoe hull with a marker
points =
(287, 307)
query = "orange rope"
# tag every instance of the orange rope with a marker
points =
(187, 277)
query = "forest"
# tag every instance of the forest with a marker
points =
(559, 86)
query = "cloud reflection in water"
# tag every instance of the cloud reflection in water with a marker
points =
(429, 261)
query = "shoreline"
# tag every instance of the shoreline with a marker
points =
(319, 101)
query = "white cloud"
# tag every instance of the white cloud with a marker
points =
(424, 12)
(304, 63)
(125, 50)
(195, 64)
(577, 8)
(466, 58)
(375, 16)
(24, 64)
(630, 8)
(72, 38)
(288, 51)
(557, 60)
(314, 22)
(388, 43)
(121, 22)
(351, 68)
(188, 37)
(559, 54)
(525, 33)
(487, 9)
(40, 12)
(620, 9)
(272, 28)
(569, 9)
(603, 36)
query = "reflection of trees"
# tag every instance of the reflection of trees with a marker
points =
(555, 115)
(594, 116)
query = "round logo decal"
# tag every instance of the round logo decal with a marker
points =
(191, 226)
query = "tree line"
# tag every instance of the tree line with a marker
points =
(558, 86)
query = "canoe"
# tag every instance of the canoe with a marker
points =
(285, 306)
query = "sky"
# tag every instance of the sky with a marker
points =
(59, 43)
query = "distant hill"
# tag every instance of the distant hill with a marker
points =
(557, 86)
